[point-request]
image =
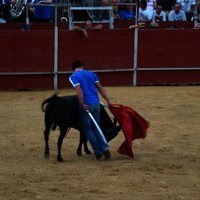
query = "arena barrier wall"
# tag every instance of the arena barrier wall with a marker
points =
(163, 57)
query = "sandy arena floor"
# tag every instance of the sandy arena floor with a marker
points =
(166, 164)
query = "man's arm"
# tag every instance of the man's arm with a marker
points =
(78, 28)
(103, 92)
(79, 94)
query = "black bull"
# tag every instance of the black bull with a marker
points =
(64, 113)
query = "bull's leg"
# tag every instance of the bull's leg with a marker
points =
(46, 138)
(59, 145)
(48, 124)
(79, 149)
(83, 141)
(87, 151)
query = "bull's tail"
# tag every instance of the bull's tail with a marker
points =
(47, 101)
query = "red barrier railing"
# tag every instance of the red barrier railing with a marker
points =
(164, 57)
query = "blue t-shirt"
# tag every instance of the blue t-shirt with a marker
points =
(126, 15)
(87, 81)
(2, 2)
(42, 12)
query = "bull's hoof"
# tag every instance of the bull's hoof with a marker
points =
(46, 153)
(78, 152)
(59, 159)
(87, 151)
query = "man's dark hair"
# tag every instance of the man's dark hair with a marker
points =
(143, 3)
(76, 64)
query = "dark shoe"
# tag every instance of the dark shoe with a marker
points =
(98, 156)
(107, 154)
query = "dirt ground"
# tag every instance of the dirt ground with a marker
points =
(166, 164)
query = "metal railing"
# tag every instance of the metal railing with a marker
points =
(94, 19)
(93, 10)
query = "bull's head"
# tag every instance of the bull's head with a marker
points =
(113, 131)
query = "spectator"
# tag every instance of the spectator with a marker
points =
(151, 5)
(159, 14)
(144, 13)
(20, 17)
(2, 20)
(99, 15)
(188, 6)
(116, 11)
(4, 11)
(43, 12)
(177, 14)
(88, 26)
(87, 86)
(127, 13)
(166, 4)
(198, 11)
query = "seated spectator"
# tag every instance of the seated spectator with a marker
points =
(2, 20)
(116, 11)
(5, 11)
(159, 14)
(88, 26)
(42, 13)
(177, 14)
(127, 13)
(198, 11)
(151, 5)
(167, 4)
(188, 6)
(19, 15)
(144, 13)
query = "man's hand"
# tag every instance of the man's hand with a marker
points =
(85, 106)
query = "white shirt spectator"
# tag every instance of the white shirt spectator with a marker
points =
(145, 15)
(186, 4)
(2, 21)
(159, 17)
(180, 16)
(177, 14)
(150, 4)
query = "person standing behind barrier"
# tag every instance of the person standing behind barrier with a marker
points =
(2, 20)
(116, 10)
(4, 11)
(87, 85)
(19, 15)
(159, 14)
(151, 5)
(188, 6)
(167, 5)
(127, 13)
(43, 12)
(177, 14)
(144, 13)
(88, 26)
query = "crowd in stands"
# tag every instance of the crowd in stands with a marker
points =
(148, 10)
(15, 11)
(162, 10)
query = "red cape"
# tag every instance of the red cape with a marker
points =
(133, 125)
